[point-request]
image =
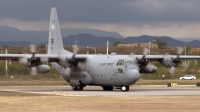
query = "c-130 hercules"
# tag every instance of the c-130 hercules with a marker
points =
(80, 70)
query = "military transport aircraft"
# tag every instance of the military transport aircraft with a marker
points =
(107, 71)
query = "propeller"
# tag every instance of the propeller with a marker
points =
(172, 69)
(33, 70)
(145, 51)
(44, 59)
(141, 61)
(68, 63)
(67, 71)
(176, 60)
(32, 48)
(132, 55)
(32, 62)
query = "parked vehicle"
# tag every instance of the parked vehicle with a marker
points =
(188, 77)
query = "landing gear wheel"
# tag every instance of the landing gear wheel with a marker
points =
(75, 88)
(124, 88)
(107, 88)
(80, 88)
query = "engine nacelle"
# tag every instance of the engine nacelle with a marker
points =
(43, 68)
(148, 69)
(167, 62)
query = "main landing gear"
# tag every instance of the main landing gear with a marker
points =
(107, 88)
(110, 88)
(78, 88)
(124, 88)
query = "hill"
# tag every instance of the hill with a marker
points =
(91, 40)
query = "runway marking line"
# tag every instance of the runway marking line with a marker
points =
(61, 94)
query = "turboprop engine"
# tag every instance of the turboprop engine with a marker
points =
(70, 63)
(40, 68)
(36, 65)
(143, 63)
(171, 62)
(148, 69)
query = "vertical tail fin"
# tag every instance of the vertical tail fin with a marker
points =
(55, 44)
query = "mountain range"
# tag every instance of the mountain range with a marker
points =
(91, 40)
(86, 37)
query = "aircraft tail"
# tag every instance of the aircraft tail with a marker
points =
(55, 44)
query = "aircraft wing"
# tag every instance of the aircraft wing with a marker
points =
(51, 57)
(160, 57)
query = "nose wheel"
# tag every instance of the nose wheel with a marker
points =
(124, 88)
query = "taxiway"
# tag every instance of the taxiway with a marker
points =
(97, 91)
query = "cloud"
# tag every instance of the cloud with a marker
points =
(175, 18)
(165, 29)
(26, 25)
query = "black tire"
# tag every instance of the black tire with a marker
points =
(192, 79)
(124, 88)
(75, 88)
(107, 88)
(80, 88)
(183, 79)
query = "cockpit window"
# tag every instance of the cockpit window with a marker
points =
(120, 62)
(130, 62)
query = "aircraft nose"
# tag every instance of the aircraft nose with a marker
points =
(132, 76)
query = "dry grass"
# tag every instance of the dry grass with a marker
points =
(63, 82)
(100, 103)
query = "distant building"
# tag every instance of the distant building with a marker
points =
(153, 45)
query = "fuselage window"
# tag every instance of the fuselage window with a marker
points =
(120, 70)
(52, 41)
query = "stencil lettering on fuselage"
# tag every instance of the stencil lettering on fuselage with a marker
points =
(106, 64)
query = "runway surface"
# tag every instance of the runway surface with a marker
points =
(97, 91)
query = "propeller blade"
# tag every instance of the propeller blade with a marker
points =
(132, 55)
(180, 50)
(33, 70)
(67, 71)
(62, 57)
(185, 65)
(75, 49)
(81, 65)
(33, 48)
(23, 60)
(44, 59)
(171, 70)
(145, 51)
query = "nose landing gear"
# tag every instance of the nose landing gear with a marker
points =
(124, 88)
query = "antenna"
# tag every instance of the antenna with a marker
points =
(76, 42)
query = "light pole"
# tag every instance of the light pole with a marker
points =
(150, 45)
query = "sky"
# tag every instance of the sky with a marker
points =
(174, 18)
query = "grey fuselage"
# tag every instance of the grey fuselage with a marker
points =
(103, 70)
